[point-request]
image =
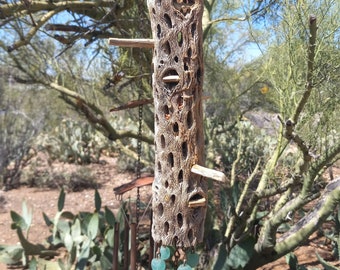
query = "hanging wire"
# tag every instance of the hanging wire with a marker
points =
(139, 153)
(140, 4)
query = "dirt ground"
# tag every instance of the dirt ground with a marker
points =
(45, 200)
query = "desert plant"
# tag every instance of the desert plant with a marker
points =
(17, 133)
(333, 234)
(224, 142)
(87, 236)
(24, 252)
(39, 172)
(73, 142)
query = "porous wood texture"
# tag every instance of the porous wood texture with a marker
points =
(177, 90)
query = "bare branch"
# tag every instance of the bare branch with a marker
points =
(10, 10)
(238, 158)
(132, 104)
(255, 10)
(33, 31)
(310, 68)
(96, 116)
(65, 28)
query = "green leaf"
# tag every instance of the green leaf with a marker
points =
(73, 256)
(48, 265)
(292, 261)
(27, 214)
(68, 242)
(107, 253)
(47, 220)
(97, 251)
(109, 237)
(261, 214)
(97, 200)
(241, 253)
(10, 254)
(76, 229)
(63, 226)
(284, 227)
(61, 264)
(91, 261)
(18, 221)
(325, 264)
(68, 215)
(61, 200)
(55, 222)
(336, 248)
(92, 228)
(109, 217)
(84, 255)
(105, 263)
(221, 262)
(192, 259)
(235, 194)
(33, 264)
(30, 249)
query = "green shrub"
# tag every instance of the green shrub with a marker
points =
(73, 142)
(88, 238)
(39, 173)
(223, 142)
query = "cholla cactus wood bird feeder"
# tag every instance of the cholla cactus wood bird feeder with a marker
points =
(179, 189)
(179, 196)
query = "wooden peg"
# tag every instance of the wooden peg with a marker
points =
(209, 173)
(197, 203)
(171, 79)
(132, 43)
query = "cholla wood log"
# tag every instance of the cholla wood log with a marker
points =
(179, 195)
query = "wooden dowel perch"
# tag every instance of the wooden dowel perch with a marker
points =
(198, 203)
(209, 173)
(133, 43)
(171, 78)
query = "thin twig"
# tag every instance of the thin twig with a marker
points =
(310, 68)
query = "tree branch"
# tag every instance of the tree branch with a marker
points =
(311, 222)
(255, 10)
(96, 116)
(310, 68)
(33, 31)
(267, 239)
(303, 229)
(330, 157)
(10, 10)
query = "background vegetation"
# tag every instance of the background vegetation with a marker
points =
(272, 120)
